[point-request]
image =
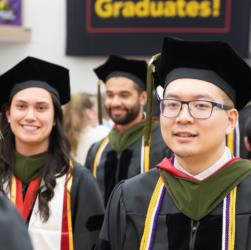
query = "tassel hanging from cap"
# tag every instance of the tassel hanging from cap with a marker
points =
(99, 97)
(149, 108)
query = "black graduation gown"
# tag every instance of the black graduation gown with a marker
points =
(87, 209)
(126, 211)
(13, 232)
(114, 167)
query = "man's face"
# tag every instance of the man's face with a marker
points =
(123, 102)
(189, 137)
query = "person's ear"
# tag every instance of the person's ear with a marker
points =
(143, 98)
(247, 144)
(7, 113)
(232, 120)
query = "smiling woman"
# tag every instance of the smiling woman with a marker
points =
(31, 118)
(36, 171)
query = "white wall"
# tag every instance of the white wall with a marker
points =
(47, 20)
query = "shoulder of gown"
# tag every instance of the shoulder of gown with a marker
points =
(87, 208)
(13, 231)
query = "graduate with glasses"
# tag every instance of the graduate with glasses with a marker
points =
(199, 198)
(198, 109)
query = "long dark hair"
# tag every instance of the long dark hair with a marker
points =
(56, 164)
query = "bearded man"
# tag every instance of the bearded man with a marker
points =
(123, 154)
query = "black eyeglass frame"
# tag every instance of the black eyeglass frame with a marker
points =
(214, 104)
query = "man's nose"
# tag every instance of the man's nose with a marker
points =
(184, 113)
(116, 101)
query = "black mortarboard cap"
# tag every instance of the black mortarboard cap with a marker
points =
(35, 72)
(135, 70)
(213, 56)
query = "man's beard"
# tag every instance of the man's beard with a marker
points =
(130, 115)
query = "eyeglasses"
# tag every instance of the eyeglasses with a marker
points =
(198, 109)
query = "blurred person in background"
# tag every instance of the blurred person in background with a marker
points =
(106, 119)
(81, 124)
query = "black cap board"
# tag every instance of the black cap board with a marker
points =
(34, 72)
(135, 70)
(212, 61)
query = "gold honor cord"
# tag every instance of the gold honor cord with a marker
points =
(150, 226)
(101, 149)
(229, 221)
(151, 215)
(230, 142)
(146, 158)
(232, 220)
(98, 155)
(69, 210)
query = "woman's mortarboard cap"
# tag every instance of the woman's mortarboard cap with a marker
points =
(35, 72)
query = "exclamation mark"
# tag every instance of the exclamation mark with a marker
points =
(216, 8)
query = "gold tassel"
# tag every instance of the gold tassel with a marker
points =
(99, 97)
(149, 108)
